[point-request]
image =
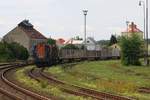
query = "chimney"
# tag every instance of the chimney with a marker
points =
(132, 27)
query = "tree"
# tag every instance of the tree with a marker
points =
(51, 41)
(5, 52)
(131, 49)
(12, 51)
(113, 40)
(18, 51)
(70, 46)
(103, 42)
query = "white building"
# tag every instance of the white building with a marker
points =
(91, 44)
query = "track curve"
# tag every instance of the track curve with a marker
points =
(27, 93)
(5, 93)
(89, 92)
(34, 74)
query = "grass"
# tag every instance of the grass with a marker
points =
(107, 76)
(43, 86)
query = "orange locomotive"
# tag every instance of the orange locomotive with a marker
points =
(45, 54)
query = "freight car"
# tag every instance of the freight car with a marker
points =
(77, 54)
(47, 55)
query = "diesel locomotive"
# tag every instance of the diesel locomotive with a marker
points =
(47, 55)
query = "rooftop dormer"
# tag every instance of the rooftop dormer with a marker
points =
(25, 24)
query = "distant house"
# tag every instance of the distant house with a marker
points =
(115, 50)
(60, 42)
(91, 44)
(78, 43)
(115, 46)
(132, 29)
(25, 35)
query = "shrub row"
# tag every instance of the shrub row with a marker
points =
(12, 51)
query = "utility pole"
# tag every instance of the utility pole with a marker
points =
(127, 23)
(145, 11)
(147, 60)
(140, 4)
(85, 13)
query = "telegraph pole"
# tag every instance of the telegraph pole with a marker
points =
(127, 23)
(147, 60)
(85, 13)
(142, 3)
(145, 11)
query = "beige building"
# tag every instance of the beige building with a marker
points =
(25, 35)
(132, 29)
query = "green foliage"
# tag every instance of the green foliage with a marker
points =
(131, 49)
(70, 46)
(12, 51)
(113, 40)
(107, 76)
(19, 52)
(5, 52)
(51, 41)
(148, 41)
(103, 42)
(43, 86)
(44, 83)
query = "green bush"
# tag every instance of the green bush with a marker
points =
(19, 51)
(51, 41)
(12, 51)
(70, 46)
(131, 49)
(5, 52)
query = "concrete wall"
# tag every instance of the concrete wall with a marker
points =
(19, 36)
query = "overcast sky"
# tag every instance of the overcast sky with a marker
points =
(64, 18)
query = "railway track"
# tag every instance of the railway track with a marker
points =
(35, 75)
(79, 90)
(13, 91)
(4, 64)
(104, 96)
(144, 90)
(8, 95)
(5, 93)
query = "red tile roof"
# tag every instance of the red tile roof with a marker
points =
(60, 41)
(132, 29)
(33, 33)
(30, 31)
